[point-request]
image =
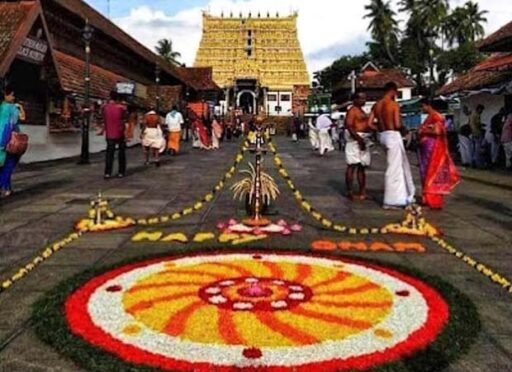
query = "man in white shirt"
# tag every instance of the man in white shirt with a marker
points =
(323, 125)
(174, 121)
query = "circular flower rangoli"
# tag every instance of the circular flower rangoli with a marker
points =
(263, 311)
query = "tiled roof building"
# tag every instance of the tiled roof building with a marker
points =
(499, 41)
(493, 72)
(42, 54)
(371, 80)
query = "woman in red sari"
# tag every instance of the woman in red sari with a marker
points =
(201, 132)
(438, 173)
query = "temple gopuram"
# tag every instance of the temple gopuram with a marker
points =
(257, 61)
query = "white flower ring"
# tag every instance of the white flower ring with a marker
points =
(269, 312)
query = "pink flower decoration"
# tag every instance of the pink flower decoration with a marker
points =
(232, 222)
(282, 223)
(296, 227)
(286, 232)
(221, 226)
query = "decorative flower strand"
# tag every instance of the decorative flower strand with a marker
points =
(414, 224)
(306, 206)
(207, 198)
(36, 261)
(505, 283)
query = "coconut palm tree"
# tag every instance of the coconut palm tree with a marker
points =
(408, 6)
(453, 27)
(465, 24)
(432, 13)
(383, 26)
(165, 49)
(474, 21)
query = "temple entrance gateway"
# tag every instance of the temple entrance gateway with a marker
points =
(247, 102)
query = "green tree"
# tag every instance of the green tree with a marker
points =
(384, 30)
(458, 60)
(432, 13)
(165, 49)
(340, 70)
(475, 21)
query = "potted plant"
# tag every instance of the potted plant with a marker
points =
(246, 189)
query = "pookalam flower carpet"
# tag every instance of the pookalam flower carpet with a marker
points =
(264, 311)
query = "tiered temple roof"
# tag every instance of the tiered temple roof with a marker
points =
(265, 49)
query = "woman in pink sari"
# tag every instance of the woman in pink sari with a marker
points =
(438, 173)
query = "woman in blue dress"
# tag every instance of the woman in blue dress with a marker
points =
(10, 115)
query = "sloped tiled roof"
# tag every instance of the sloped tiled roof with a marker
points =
(488, 73)
(99, 22)
(376, 79)
(496, 62)
(499, 41)
(16, 19)
(200, 78)
(474, 80)
(72, 76)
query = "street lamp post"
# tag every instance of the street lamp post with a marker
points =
(431, 61)
(187, 117)
(86, 36)
(431, 37)
(157, 83)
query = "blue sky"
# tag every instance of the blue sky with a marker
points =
(327, 28)
(121, 8)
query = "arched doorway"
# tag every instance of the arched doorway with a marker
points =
(247, 101)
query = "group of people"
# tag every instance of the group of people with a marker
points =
(438, 173)
(158, 134)
(481, 144)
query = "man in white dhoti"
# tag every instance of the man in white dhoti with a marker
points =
(313, 135)
(323, 125)
(357, 148)
(465, 146)
(399, 189)
(153, 141)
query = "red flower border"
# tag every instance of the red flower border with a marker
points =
(81, 324)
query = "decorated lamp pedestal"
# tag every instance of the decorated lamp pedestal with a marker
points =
(258, 148)
(101, 218)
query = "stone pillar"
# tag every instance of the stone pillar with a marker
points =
(265, 101)
(227, 98)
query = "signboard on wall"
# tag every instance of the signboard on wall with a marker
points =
(125, 88)
(33, 50)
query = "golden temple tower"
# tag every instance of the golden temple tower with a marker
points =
(258, 61)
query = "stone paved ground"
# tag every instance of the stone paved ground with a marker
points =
(477, 220)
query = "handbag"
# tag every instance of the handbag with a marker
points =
(18, 144)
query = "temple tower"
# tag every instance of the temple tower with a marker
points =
(258, 61)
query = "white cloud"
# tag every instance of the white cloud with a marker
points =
(327, 28)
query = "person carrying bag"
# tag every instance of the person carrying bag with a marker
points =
(13, 144)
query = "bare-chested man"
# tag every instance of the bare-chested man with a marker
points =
(357, 152)
(399, 187)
